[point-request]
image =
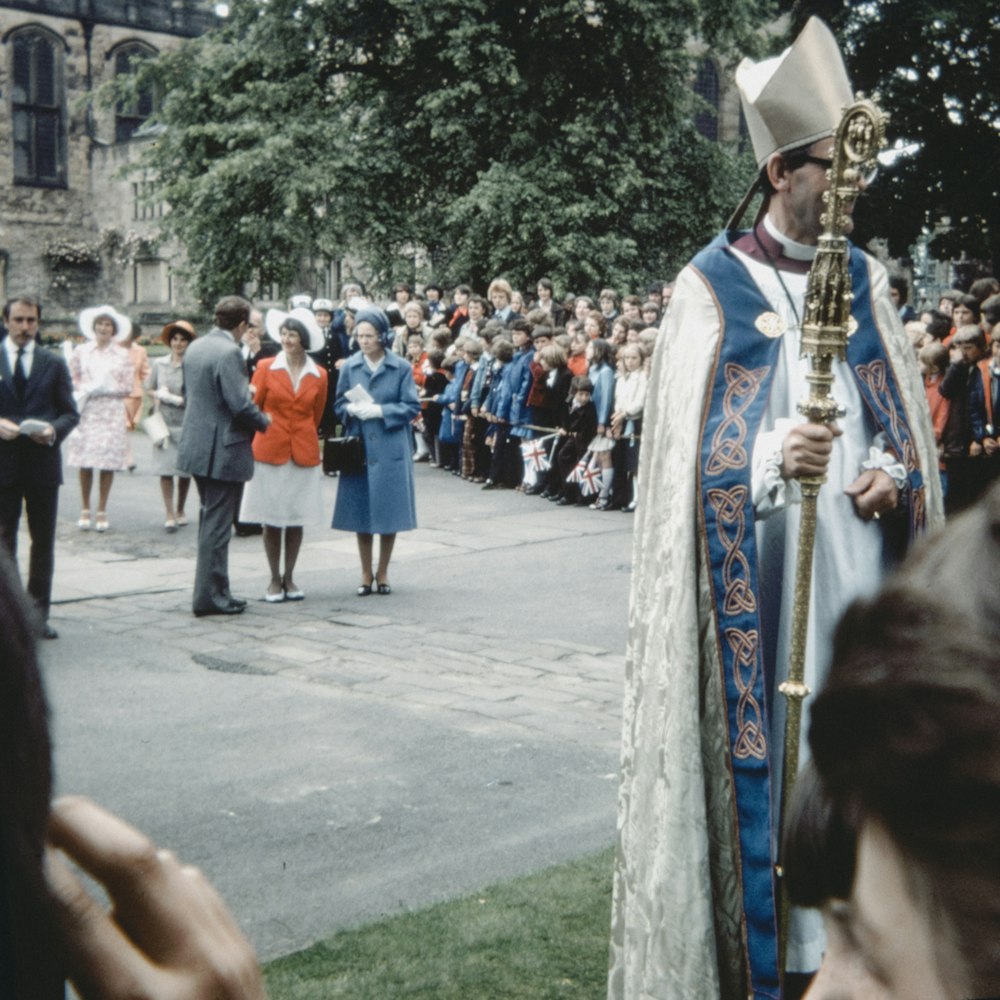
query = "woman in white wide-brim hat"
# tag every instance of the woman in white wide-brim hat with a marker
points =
(102, 378)
(286, 490)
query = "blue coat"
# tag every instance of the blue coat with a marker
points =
(520, 412)
(603, 378)
(451, 427)
(380, 500)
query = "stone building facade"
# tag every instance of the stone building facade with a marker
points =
(74, 230)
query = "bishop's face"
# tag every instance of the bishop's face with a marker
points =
(798, 205)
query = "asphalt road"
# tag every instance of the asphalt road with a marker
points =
(330, 762)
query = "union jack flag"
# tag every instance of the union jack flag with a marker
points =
(590, 480)
(586, 472)
(535, 455)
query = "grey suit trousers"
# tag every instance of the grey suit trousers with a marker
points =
(218, 498)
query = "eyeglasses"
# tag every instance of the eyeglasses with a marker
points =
(867, 177)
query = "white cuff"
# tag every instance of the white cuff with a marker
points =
(771, 490)
(888, 463)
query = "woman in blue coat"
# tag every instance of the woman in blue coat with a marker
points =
(380, 499)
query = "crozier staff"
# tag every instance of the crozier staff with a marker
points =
(713, 580)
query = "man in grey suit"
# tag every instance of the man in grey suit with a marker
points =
(219, 423)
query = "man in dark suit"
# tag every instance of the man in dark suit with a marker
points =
(219, 423)
(34, 385)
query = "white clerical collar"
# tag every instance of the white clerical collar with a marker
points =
(791, 249)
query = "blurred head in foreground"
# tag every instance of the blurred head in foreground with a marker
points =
(897, 833)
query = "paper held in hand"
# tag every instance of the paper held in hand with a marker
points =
(358, 394)
(33, 426)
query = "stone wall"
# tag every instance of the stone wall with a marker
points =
(86, 241)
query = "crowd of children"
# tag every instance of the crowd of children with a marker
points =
(958, 347)
(546, 397)
(538, 396)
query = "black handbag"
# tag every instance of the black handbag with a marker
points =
(344, 454)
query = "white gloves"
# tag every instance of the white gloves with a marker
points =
(365, 411)
(166, 396)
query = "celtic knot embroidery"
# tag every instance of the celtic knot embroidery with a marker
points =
(730, 526)
(875, 377)
(742, 387)
(750, 740)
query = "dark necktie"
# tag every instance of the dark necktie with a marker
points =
(20, 378)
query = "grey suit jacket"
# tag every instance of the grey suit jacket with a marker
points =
(220, 417)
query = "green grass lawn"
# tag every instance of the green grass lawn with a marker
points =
(540, 937)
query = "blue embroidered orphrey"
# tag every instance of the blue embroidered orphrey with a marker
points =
(740, 384)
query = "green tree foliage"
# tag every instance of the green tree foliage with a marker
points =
(518, 138)
(934, 66)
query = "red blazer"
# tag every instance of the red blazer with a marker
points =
(294, 415)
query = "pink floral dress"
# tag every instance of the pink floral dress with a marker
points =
(102, 378)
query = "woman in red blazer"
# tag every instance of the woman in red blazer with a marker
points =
(286, 489)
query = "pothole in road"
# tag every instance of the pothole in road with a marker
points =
(229, 666)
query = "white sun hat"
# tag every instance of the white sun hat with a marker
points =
(275, 319)
(88, 317)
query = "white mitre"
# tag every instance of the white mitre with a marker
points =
(795, 98)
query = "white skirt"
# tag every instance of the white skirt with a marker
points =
(601, 443)
(283, 496)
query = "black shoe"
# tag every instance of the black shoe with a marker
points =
(365, 590)
(231, 609)
(246, 530)
(384, 589)
(534, 491)
(237, 602)
(489, 485)
(48, 632)
(554, 497)
(565, 502)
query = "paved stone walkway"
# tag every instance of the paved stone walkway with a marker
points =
(329, 761)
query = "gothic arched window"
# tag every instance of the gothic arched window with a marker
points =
(37, 100)
(706, 86)
(131, 115)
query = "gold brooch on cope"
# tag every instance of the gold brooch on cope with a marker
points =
(770, 324)
(852, 326)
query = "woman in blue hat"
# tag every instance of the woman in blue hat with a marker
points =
(380, 499)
